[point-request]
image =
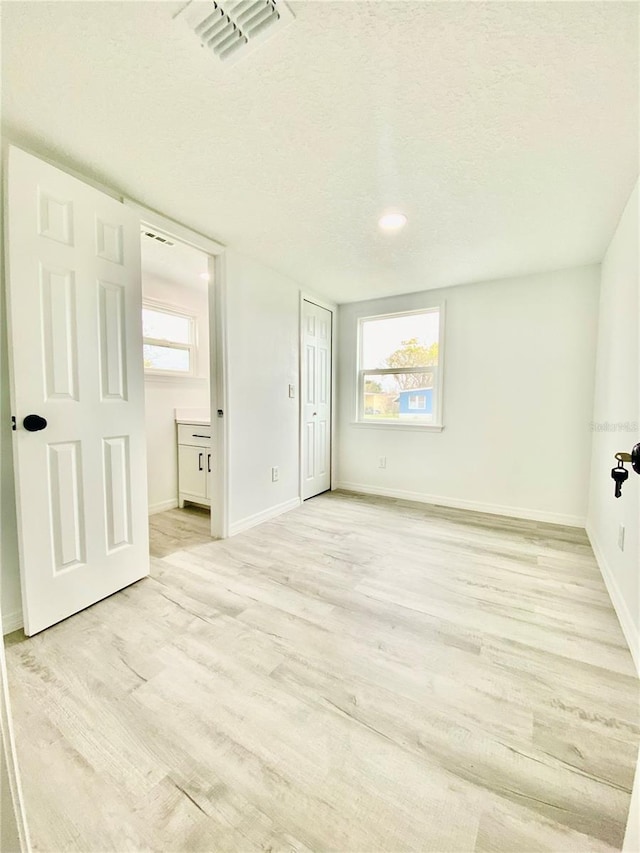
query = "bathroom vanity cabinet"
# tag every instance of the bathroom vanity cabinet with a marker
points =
(194, 463)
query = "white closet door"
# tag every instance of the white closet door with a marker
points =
(76, 362)
(316, 390)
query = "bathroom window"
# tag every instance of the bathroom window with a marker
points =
(169, 344)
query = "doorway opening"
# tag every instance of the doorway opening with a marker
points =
(175, 328)
(184, 382)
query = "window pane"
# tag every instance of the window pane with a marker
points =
(407, 341)
(398, 397)
(166, 358)
(166, 327)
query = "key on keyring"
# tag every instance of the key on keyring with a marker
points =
(619, 474)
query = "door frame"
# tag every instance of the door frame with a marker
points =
(307, 296)
(218, 360)
(632, 834)
(217, 311)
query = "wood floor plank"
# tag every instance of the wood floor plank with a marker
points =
(358, 675)
(178, 528)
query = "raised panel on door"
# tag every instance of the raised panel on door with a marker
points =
(55, 215)
(74, 295)
(323, 382)
(112, 341)
(309, 455)
(310, 354)
(109, 243)
(64, 471)
(322, 453)
(60, 333)
(117, 491)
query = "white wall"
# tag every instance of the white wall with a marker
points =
(12, 826)
(164, 394)
(616, 418)
(10, 575)
(518, 396)
(9, 837)
(262, 334)
(13, 830)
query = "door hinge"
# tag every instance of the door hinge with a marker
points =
(220, 413)
(13, 423)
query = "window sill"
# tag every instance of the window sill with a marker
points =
(393, 425)
(172, 377)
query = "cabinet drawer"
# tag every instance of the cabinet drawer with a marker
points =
(198, 435)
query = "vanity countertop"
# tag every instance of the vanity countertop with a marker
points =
(197, 421)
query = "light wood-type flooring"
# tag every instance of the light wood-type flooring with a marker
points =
(178, 529)
(360, 674)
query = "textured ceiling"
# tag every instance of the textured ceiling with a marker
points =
(178, 264)
(507, 132)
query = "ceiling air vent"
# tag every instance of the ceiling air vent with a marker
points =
(160, 239)
(231, 29)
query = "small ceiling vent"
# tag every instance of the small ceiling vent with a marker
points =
(231, 29)
(158, 237)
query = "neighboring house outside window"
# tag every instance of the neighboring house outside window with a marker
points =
(418, 401)
(169, 340)
(399, 368)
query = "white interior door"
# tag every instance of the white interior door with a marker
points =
(316, 396)
(76, 361)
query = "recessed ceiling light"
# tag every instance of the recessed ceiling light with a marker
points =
(205, 276)
(392, 221)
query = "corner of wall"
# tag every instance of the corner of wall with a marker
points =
(628, 626)
(615, 424)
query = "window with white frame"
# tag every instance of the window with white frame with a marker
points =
(399, 368)
(169, 343)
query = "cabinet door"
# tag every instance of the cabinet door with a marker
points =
(209, 463)
(192, 466)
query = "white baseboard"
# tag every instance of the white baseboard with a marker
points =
(631, 633)
(163, 506)
(474, 506)
(265, 515)
(11, 621)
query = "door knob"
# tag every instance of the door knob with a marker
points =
(34, 423)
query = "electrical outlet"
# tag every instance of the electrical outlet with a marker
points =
(275, 474)
(292, 391)
(621, 537)
(382, 462)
